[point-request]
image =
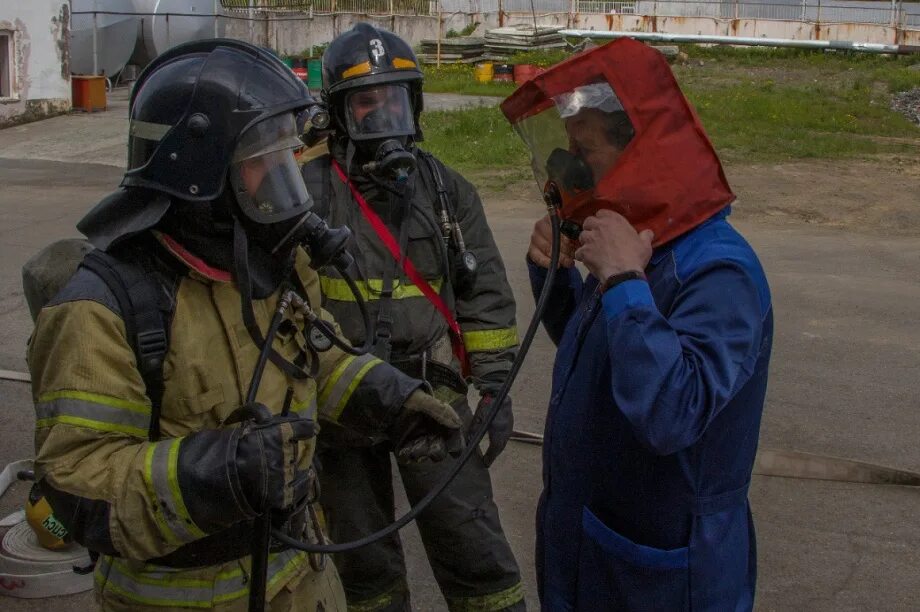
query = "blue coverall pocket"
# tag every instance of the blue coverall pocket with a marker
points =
(615, 573)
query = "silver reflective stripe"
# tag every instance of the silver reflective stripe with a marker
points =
(279, 567)
(160, 586)
(153, 588)
(170, 508)
(112, 416)
(149, 131)
(335, 398)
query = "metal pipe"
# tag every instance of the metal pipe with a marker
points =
(95, 43)
(839, 45)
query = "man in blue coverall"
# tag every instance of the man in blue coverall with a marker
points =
(663, 350)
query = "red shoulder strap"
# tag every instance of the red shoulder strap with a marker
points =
(392, 245)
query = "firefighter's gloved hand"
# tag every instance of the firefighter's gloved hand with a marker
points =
(233, 474)
(426, 429)
(500, 429)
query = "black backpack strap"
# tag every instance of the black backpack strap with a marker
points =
(141, 300)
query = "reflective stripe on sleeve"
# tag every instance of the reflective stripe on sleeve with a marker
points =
(370, 289)
(93, 411)
(490, 339)
(305, 409)
(162, 478)
(342, 383)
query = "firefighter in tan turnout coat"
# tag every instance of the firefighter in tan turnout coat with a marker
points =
(139, 451)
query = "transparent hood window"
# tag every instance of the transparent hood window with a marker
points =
(575, 142)
(381, 111)
(265, 175)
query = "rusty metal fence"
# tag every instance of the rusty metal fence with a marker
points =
(881, 12)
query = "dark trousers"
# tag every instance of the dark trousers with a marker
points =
(469, 554)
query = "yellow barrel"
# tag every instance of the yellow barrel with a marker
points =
(483, 72)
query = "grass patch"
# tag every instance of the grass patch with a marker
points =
(458, 78)
(474, 139)
(757, 105)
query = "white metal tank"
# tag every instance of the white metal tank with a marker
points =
(116, 36)
(173, 22)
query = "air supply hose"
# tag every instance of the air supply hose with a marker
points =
(262, 530)
(477, 435)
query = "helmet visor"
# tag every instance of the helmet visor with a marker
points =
(379, 111)
(265, 176)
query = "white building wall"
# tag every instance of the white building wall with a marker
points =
(39, 59)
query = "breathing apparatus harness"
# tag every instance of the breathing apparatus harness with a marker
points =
(263, 531)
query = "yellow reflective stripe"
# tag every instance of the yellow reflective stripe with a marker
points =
(94, 411)
(181, 509)
(106, 583)
(342, 383)
(162, 480)
(152, 495)
(306, 408)
(91, 424)
(326, 391)
(96, 398)
(490, 339)
(362, 68)
(170, 588)
(487, 603)
(399, 62)
(337, 289)
(340, 406)
(279, 575)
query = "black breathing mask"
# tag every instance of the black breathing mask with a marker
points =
(391, 161)
(569, 171)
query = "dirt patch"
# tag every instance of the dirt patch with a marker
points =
(871, 197)
(877, 197)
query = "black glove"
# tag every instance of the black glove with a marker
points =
(500, 429)
(426, 429)
(229, 475)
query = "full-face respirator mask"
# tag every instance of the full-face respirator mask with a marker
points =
(271, 195)
(380, 123)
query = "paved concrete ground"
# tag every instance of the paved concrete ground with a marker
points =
(844, 379)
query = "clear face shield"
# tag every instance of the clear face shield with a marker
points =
(265, 176)
(575, 142)
(378, 112)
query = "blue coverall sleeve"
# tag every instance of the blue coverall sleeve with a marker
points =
(672, 375)
(566, 291)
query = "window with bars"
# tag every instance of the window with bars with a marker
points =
(6, 64)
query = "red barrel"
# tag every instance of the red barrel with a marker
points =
(503, 72)
(525, 72)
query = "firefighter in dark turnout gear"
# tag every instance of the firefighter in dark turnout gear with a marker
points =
(445, 313)
(156, 478)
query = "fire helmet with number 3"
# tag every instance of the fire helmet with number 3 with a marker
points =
(373, 85)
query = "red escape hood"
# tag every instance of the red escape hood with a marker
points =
(668, 178)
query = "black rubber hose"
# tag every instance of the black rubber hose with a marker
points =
(262, 525)
(327, 330)
(474, 442)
